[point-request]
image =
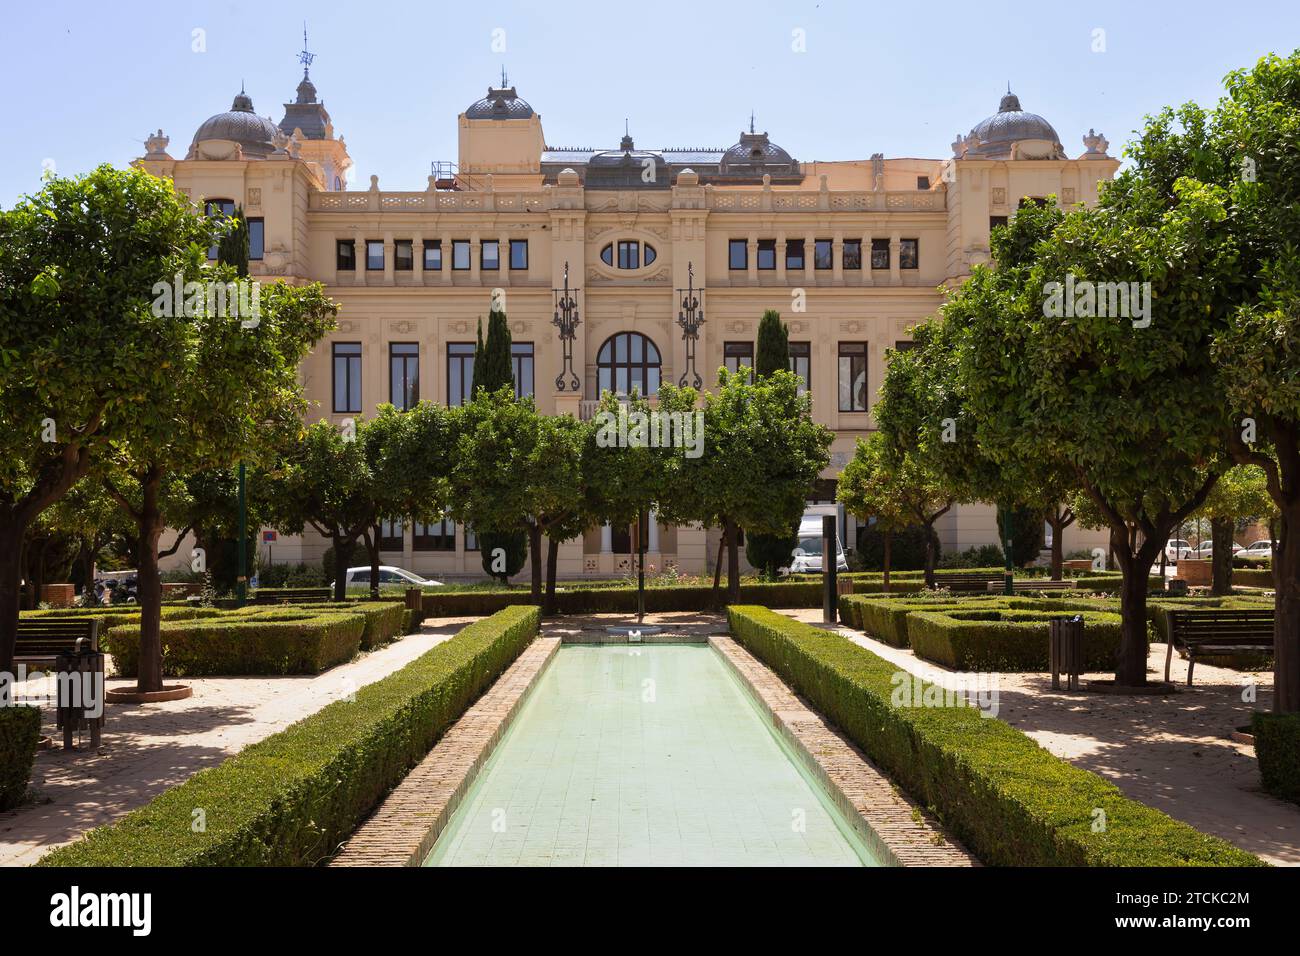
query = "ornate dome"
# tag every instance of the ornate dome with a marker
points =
(755, 149)
(993, 137)
(501, 104)
(240, 124)
(626, 167)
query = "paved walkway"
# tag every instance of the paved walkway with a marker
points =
(1173, 753)
(148, 748)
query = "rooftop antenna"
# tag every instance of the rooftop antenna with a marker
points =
(751, 122)
(504, 84)
(304, 57)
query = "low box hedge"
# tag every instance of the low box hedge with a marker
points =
(1277, 745)
(291, 799)
(885, 619)
(1252, 578)
(383, 619)
(607, 600)
(1008, 800)
(20, 729)
(999, 639)
(1110, 583)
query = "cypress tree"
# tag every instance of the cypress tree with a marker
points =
(493, 367)
(773, 345)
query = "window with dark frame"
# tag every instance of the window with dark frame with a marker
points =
(460, 372)
(909, 254)
(922, 182)
(766, 254)
(852, 254)
(403, 374)
(996, 221)
(823, 254)
(880, 253)
(904, 346)
(390, 535)
(216, 209)
(518, 254)
(435, 535)
(801, 363)
(738, 254)
(853, 376)
(256, 238)
(460, 255)
(433, 255)
(629, 255)
(489, 255)
(471, 537)
(347, 376)
(345, 255)
(794, 254)
(628, 361)
(521, 358)
(403, 255)
(374, 255)
(737, 354)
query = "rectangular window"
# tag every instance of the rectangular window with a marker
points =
(521, 357)
(880, 253)
(390, 536)
(801, 363)
(347, 376)
(904, 346)
(345, 255)
(256, 238)
(374, 255)
(460, 372)
(922, 182)
(518, 253)
(766, 254)
(823, 254)
(433, 255)
(853, 253)
(853, 376)
(471, 537)
(403, 255)
(217, 209)
(794, 254)
(738, 254)
(489, 254)
(736, 354)
(460, 255)
(909, 254)
(629, 255)
(435, 536)
(403, 374)
(995, 221)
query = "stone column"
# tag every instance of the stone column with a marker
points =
(446, 258)
(606, 539)
(389, 264)
(417, 254)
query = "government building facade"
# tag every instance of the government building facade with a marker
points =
(851, 252)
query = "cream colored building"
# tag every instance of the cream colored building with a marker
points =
(851, 252)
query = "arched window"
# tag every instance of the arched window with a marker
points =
(628, 361)
(630, 254)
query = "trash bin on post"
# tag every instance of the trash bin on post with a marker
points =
(80, 693)
(1065, 637)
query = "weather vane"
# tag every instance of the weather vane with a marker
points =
(304, 57)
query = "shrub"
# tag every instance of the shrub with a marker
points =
(1277, 745)
(885, 619)
(1005, 639)
(292, 576)
(622, 600)
(1008, 800)
(510, 545)
(291, 799)
(383, 619)
(766, 553)
(1110, 583)
(1252, 578)
(906, 548)
(981, 556)
(1026, 532)
(20, 729)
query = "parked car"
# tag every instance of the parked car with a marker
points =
(1176, 548)
(1206, 550)
(389, 576)
(1262, 548)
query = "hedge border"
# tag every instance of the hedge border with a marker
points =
(291, 799)
(1005, 639)
(1007, 799)
(20, 731)
(1277, 745)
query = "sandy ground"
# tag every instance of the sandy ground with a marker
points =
(148, 748)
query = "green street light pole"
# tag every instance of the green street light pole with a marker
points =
(241, 579)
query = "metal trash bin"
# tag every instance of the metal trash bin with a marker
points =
(80, 707)
(1065, 636)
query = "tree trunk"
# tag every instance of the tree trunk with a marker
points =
(552, 559)
(929, 554)
(148, 591)
(733, 564)
(372, 545)
(25, 576)
(717, 566)
(1286, 612)
(1059, 520)
(535, 560)
(11, 572)
(889, 547)
(1221, 557)
(1131, 665)
(343, 548)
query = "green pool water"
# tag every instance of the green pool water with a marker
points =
(644, 756)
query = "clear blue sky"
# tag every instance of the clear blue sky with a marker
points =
(87, 81)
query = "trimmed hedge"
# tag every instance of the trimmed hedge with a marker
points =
(20, 730)
(1109, 583)
(1277, 745)
(291, 799)
(885, 619)
(578, 600)
(1005, 639)
(1008, 800)
(1253, 578)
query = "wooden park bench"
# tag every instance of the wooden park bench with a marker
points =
(292, 595)
(966, 582)
(65, 644)
(1218, 631)
(1031, 584)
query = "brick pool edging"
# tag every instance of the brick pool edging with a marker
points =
(900, 832)
(402, 831)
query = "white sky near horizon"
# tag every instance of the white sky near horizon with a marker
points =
(87, 82)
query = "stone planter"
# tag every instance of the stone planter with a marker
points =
(58, 595)
(1197, 573)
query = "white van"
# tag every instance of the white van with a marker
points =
(808, 552)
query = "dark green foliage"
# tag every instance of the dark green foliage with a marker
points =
(906, 548)
(976, 556)
(292, 576)
(1277, 745)
(291, 799)
(767, 553)
(1011, 802)
(20, 729)
(1026, 533)
(998, 639)
(232, 248)
(622, 600)
(512, 546)
(773, 352)
(493, 368)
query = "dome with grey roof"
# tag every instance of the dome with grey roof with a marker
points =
(755, 149)
(501, 104)
(993, 138)
(239, 124)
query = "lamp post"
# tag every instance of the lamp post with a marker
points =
(241, 579)
(1009, 568)
(690, 318)
(567, 321)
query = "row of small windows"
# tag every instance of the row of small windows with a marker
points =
(823, 254)
(404, 255)
(218, 208)
(631, 254)
(851, 371)
(431, 536)
(404, 373)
